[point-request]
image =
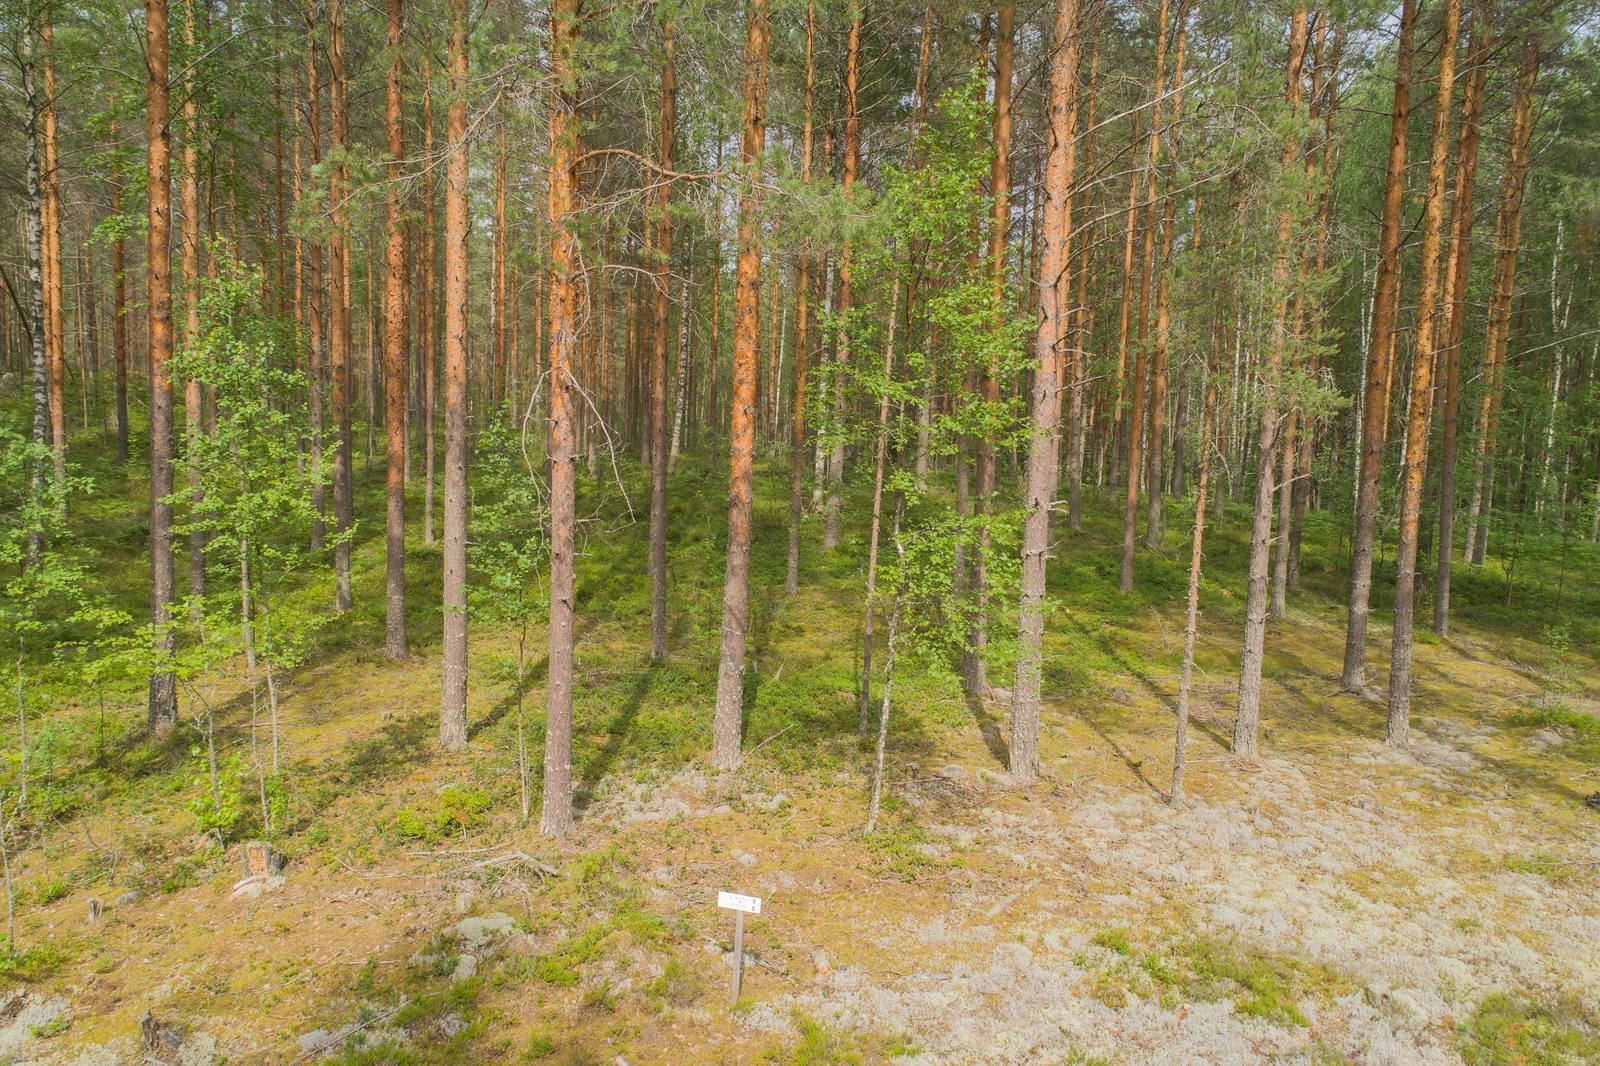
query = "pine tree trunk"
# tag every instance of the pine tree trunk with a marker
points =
(1422, 361)
(802, 328)
(1374, 427)
(497, 296)
(1079, 330)
(556, 818)
(429, 303)
(661, 308)
(1049, 348)
(1180, 739)
(728, 724)
(1158, 367)
(975, 665)
(119, 303)
(1508, 234)
(163, 701)
(316, 286)
(394, 358)
(1253, 650)
(841, 357)
(189, 242)
(453, 704)
(54, 284)
(1136, 413)
(1456, 264)
(1125, 310)
(339, 305)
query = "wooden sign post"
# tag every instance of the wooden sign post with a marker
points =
(740, 906)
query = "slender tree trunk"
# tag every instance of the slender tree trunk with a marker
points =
(54, 284)
(119, 300)
(802, 327)
(163, 701)
(394, 357)
(714, 357)
(497, 289)
(189, 240)
(1125, 310)
(556, 818)
(728, 725)
(339, 306)
(975, 665)
(1136, 415)
(841, 358)
(316, 285)
(453, 705)
(1049, 347)
(1079, 332)
(876, 801)
(685, 355)
(89, 306)
(1163, 322)
(33, 239)
(1253, 650)
(1374, 427)
(430, 303)
(1180, 739)
(877, 508)
(1422, 360)
(1508, 235)
(659, 336)
(1456, 263)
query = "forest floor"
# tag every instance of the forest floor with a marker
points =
(1334, 901)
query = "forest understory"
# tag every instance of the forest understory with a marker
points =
(1088, 512)
(1334, 901)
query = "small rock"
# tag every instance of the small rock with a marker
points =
(819, 958)
(128, 897)
(199, 1049)
(314, 1041)
(1546, 738)
(474, 932)
(466, 967)
(722, 808)
(463, 902)
(1408, 1005)
(451, 1024)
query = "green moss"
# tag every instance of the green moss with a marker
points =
(1260, 984)
(1113, 940)
(1517, 1031)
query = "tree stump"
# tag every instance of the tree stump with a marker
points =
(261, 859)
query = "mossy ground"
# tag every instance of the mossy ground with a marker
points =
(619, 951)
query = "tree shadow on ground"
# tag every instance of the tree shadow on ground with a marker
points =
(598, 762)
(989, 727)
(532, 677)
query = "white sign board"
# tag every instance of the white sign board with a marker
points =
(731, 901)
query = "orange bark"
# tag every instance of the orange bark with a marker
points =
(727, 725)
(394, 358)
(556, 818)
(453, 703)
(1422, 360)
(1049, 347)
